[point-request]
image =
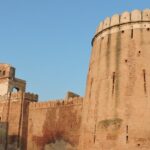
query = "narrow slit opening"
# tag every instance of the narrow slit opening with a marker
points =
(94, 138)
(113, 82)
(127, 129)
(127, 139)
(95, 133)
(144, 78)
(108, 40)
(131, 33)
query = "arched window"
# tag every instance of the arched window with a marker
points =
(15, 89)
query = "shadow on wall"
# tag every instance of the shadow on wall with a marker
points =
(3, 135)
(11, 139)
(8, 142)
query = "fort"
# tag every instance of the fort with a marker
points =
(26, 123)
(114, 114)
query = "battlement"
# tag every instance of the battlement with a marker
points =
(18, 96)
(6, 71)
(12, 96)
(31, 96)
(57, 103)
(126, 20)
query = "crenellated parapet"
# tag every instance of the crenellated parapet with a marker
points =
(124, 21)
(31, 97)
(11, 96)
(18, 96)
(57, 103)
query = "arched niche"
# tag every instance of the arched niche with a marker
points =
(15, 89)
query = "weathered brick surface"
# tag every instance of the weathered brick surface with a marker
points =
(31, 125)
(54, 123)
(116, 106)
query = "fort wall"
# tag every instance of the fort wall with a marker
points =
(54, 124)
(14, 117)
(116, 105)
(28, 124)
(17, 96)
(10, 114)
(56, 103)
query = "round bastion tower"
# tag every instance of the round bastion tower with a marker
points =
(116, 109)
